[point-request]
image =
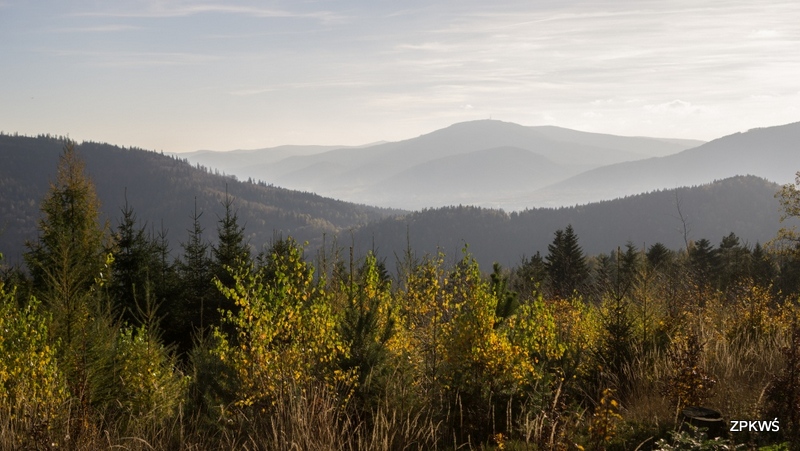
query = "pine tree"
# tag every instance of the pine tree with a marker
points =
(132, 258)
(658, 255)
(703, 259)
(528, 278)
(195, 276)
(566, 263)
(733, 262)
(231, 252)
(763, 270)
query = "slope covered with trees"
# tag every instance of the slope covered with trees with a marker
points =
(769, 152)
(745, 206)
(568, 350)
(164, 191)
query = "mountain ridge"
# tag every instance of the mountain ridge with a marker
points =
(162, 190)
(744, 205)
(361, 174)
(768, 152)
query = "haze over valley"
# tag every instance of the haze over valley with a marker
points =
(440, 190)
(497, 164)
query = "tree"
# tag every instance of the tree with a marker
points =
(733, 262)
(70, 267)
(231, 251)
(133, 254)
(366, 326)
(787, 241)
(68, 262)
(703, 259)
(284, 333)
(566, 263)
(763, 269)
(658, 255)
(528, 277)
(69, 253)
(194, 308)
(231, 245)
(789, 198)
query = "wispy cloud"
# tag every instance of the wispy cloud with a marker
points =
(136, 59)
(159, 10)
(676, 106)
(97, 29)
(301, 85)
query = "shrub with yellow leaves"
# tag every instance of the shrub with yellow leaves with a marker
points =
(605, 420)
(32, 387)
(285, 332)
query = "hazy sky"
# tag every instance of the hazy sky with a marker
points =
(180, 75)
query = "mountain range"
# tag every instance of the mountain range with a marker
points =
(743, 205)
(164, 191)
(649, 179)
(486, 162)
(771, 153)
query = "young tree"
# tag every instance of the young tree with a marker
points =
(366, 326)
(132, 255)
(231, 251)
(194, 308)
(565, 263)
(68, 258)
(658, 255)
(284, 333)
(68, 261)
(70, 267)
(787, 242)
(789, 198)
(733, 262)
(232, 247)
(703, 258)
(529, 276)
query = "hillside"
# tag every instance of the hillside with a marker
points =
(387, 174)
(771, 153)
(744, 205)
(162, 190)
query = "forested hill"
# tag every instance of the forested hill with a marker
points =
(769, 152)
(161, 190)
(744, 205)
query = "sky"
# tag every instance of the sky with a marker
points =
(187, 75)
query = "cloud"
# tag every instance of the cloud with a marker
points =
(762, 34)
(159, 11)
(676, 106)
(97, 29)
(300, 85)
(134, 59)
(428, 46)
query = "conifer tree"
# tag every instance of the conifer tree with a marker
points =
(69, 254)
(763, 269)
(565, 263)
(194, 308)
(132, 258)
(231, 251)
(733, 262)
(529, 276)
(69, 268)
(658, 255)
(703, 259)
